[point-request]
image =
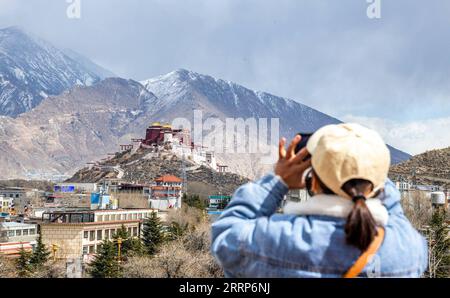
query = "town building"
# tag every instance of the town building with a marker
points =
(14, 236)
(75, 187)
(297, 195)
(166, 193)
(222, 168)
(78, 234)
(13, 192)
(218, 202)
(6, 204)
(404, 185)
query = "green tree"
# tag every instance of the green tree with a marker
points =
(195, 201)
(105, 263)
(23, 264)
(176, 231)
(152, 234)
(130, 245)
(40, 255)
(439, 245)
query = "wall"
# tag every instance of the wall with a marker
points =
(68, 238)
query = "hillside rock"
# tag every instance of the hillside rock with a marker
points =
(144, 166)
(431, 167)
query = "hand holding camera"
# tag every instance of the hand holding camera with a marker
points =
(291, 165)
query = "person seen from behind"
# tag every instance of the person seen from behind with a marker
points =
(352, 226)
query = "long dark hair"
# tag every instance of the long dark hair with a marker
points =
(360, 228)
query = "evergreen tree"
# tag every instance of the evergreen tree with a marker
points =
(23, 264)
(195, 201)
(152, 234)
(439, 245)
(40, 254)
(105, 263)
(176, 230)
(130, 245)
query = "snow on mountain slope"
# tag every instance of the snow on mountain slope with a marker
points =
(182, 91)
(32, 69)
(85, 123)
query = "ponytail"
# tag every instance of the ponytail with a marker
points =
(360, 228)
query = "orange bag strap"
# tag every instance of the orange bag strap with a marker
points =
(362, 261)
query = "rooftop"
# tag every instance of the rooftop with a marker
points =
(9, 225)
(169, 178)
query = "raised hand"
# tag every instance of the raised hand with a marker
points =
(290, 166)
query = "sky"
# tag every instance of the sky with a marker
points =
(390, 73)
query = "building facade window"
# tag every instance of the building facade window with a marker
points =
(18, 232)
(106, 234)
(100, 218)
(86, 235)
(91, 249)
(91, 235)
(85, 250)
(99, 234)
(32, 231)
(25, 232)
(11, 233)
(135, 231)
(106, 217)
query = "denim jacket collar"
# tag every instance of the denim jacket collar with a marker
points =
(335, 206)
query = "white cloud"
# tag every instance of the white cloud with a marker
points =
(413, 137)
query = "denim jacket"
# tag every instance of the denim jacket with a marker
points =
(251, 240)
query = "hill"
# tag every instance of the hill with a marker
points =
(431, 167)
(143, 166)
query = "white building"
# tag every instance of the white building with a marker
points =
(166, 193)
(14, 236)
(79, 234)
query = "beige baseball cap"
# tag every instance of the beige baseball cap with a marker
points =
(347, 151)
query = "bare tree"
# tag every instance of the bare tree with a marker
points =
(417, 208)
(187, 256)
(7, 268)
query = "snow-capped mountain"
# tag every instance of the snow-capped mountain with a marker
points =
(87, 122)
(32, 69)
(182, 91)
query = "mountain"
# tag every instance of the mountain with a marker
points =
(64, 132)
(88, 122)
(182, 91)
(32, 69)
(431, 167)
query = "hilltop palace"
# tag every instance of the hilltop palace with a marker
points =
(161, 137)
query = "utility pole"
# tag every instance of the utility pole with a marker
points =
(184, 178)
(119, 246)
(54, 250)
